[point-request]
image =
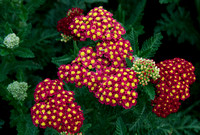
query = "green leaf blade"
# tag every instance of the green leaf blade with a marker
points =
(128, 62)
(150, 46)
(65, 59)
(120, 127)
(24, 53)
(150, 91)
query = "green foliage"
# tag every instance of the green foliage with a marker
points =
(133, 38)
(65, 59)
(168, 1)
(129, 63)
(150, 91)
(26, 126)
(24, 53)
(94, 1)
(197, 3)
(33, 5)
(185, 125)
(85, 127)
(120, 127)
(150, 46)
(51, 131)
(1, 123)
(178, 23)
(84, 3)
(132, 12)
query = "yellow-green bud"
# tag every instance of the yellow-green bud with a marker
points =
(145, 69)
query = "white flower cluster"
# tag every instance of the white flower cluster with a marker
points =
(18, 90)
(11, 41)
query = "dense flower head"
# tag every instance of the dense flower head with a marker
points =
(72, 73)
(113, 86)
(145, 69)
(115, 52)
(100, 71)
(88, 58)
(55, 107)
(98, 24)
(176, 76)
(11, 41)
(18, 90)
(63, 24)
(165, 105)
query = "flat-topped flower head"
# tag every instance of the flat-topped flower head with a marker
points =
(114, 86)
(11, 41)
(175, 77)
(98, 24)
(18, 90)
(55, 107)
(146, 70)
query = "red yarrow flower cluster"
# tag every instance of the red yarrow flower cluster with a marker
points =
(102, 69)
(89, 59)
(116, 51)
(86, 61)
(63, 24)
(118, 82)
(173, 85)
(98, 24)
(114, 86)
(55, 107)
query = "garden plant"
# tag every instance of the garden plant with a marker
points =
(99, 67)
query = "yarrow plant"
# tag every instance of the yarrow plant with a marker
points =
(11, 41)
(18, 90)
(146, 70)
(103, 70)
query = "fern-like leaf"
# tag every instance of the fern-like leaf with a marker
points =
(1, 123)
(85, 127)
(168, 1)
(178, 23)
(62, 60)
(24, 53)
(120, 127)
(133, 38)
(51, 131)
(150, 46)
(128, 62)
(32, 5)
(150, 91)
(94, 1)
(134, 126)
(136, 15)
(27, 64)
(186, 125)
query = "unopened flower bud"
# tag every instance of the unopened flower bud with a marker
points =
(145, 70)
